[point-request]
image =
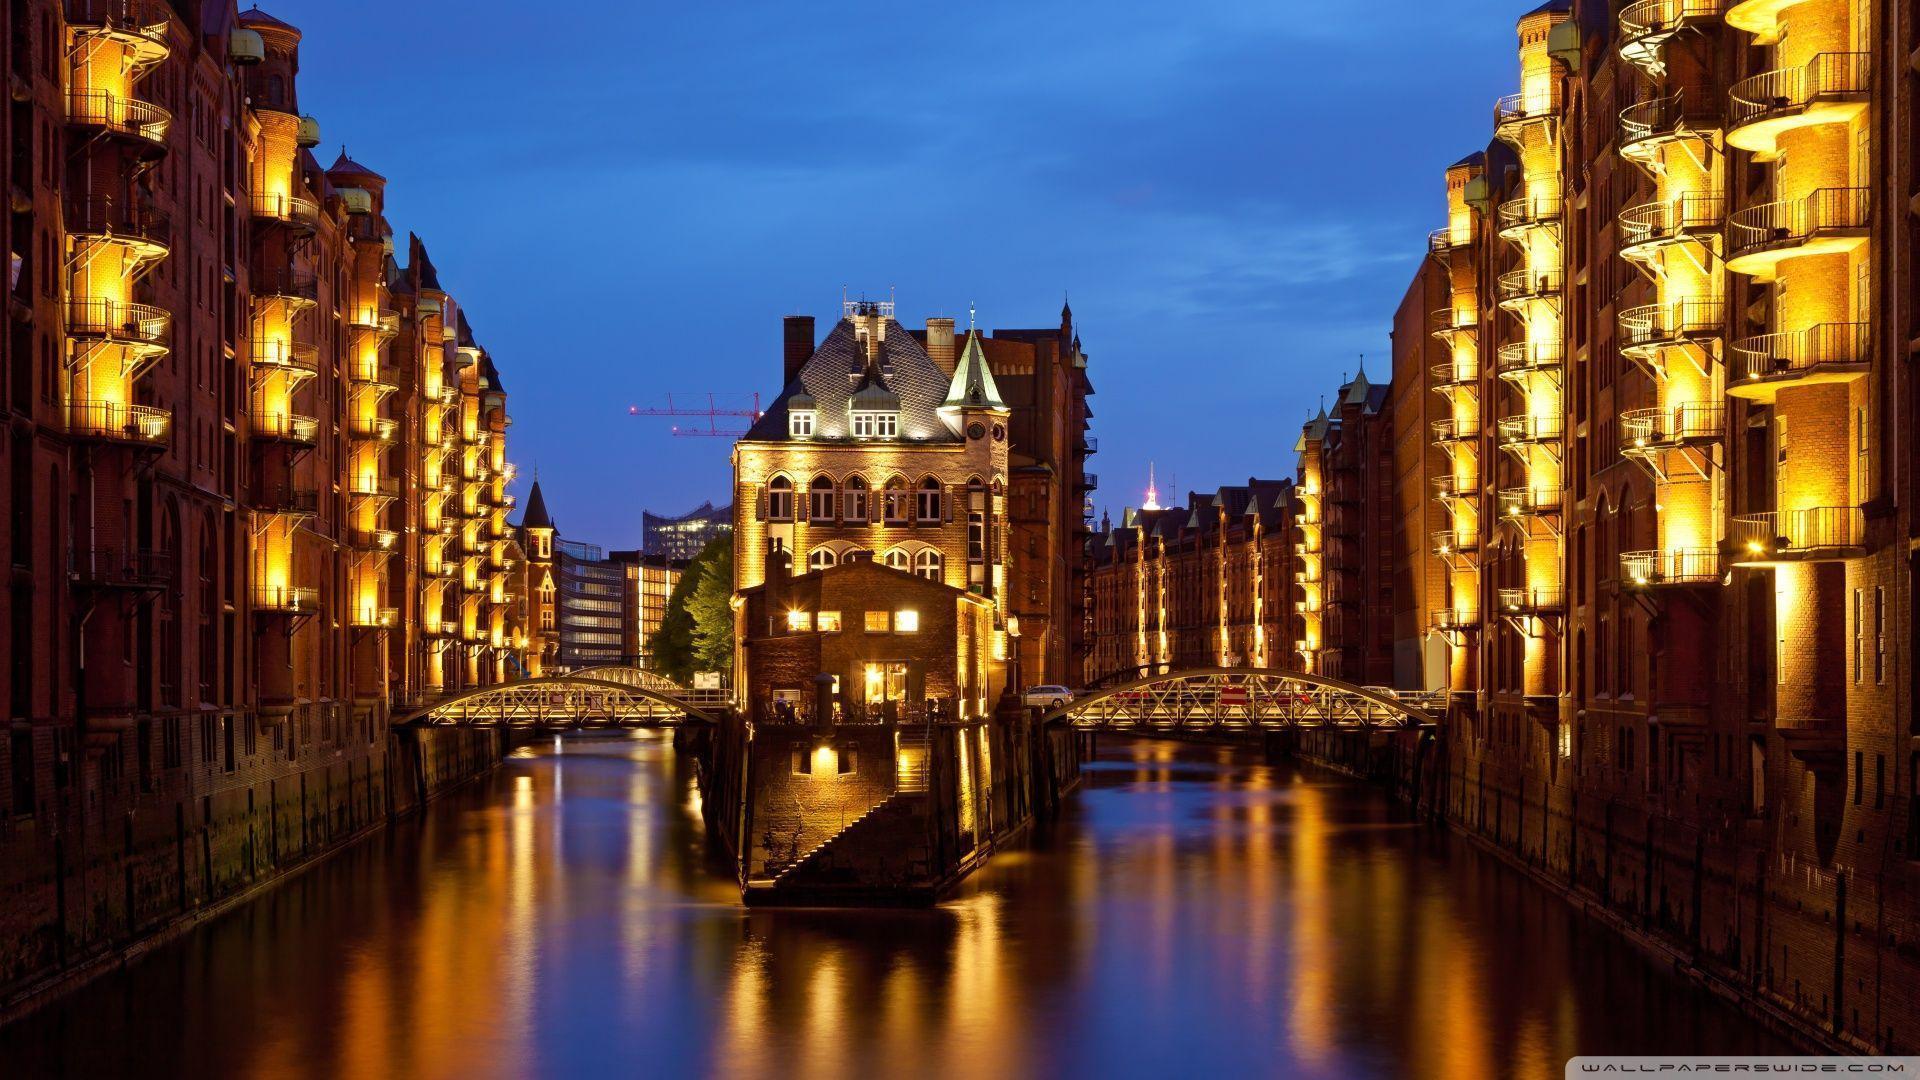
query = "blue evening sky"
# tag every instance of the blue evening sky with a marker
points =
(628, 197)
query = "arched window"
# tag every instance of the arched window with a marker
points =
(895, 497)
(897, 559)
(927, 505)
(855, 501)
(928, 564)
(780, 499)
(820, 500)
(822, 558)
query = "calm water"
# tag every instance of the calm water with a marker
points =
(1196, 913)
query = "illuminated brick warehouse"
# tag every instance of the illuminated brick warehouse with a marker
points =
(256, 476)
(1637, 502)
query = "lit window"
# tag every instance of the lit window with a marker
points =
(821, 559)
(906, 622)
(897, 559)
(896, 499)
(828, 622)
(800, 424)
(876, 425)
(780, 499)
(927, 505)
(820, 499)
(799, 620)
(855, 501)
(876, 622)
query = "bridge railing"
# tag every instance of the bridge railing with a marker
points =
(1230, 698)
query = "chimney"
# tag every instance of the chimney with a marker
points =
(799, 345)
(940, 345)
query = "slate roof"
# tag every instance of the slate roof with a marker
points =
(972, 385)
(835, 369)
(536, 515)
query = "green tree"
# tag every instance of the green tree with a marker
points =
(674, 644)
(712, 610)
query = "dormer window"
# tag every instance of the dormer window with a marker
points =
(876, 425)
(800, 423)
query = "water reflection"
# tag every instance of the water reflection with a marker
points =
(1194, 912)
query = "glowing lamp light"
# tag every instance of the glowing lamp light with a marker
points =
(907, 621)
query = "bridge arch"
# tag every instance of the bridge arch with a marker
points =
(576, 700)
(1244, 698)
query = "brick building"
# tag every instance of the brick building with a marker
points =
(228, 503)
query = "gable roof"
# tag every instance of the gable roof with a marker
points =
(839, 366)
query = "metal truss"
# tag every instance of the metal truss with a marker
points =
(596, 697)
(1224, 699)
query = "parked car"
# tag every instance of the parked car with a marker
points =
(1047, 697)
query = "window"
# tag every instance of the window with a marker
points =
(876, 425)
(976, 536)
(854, 503)
(927, 504)
(800, 423)
(895, 498)
(898, 559)
(906, 621)
(780, 499)
(876, 622)
(1879, 634)
(799, 620)
(820, 500)
(927, 564)
(821, 559)
(827, 622)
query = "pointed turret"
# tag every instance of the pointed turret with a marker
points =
(972, 386)
(536, 516)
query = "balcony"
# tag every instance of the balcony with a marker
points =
(383, 321)
(1761, 18)
(1644, 431)
(1647, 126)
(375, 539)
(1517, 289)
(1825, 222)
(98, 219)
(1443, 242)
(113, 421)
(1455, 620)
(1455, 431)
(1523, 359)
(1516, 217)
(285, 600)
(1529, 502)
(138, 28)
(1827, 353)
(286, 499)
(1646, 25)
(1523, 432)
(1684, 566)
(1831, 89)
(376, 618)
(442, 628)
(1460, 371)
(288, 210)
(1515, 114)
(297, 359)
(1533, 600)
(1307, 607)
(143, 328)
(383, 488)
(287, 428)
(1450, 486)
(1450, 542)
(122, 569)
(1088, 445)
(1449, 321)
(377, 429)
(1089, 481)
(142, 122)
(1647, 229)
(369, 379)
(286, 286)
(1810, 534)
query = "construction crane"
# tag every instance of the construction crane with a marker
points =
(712, 413)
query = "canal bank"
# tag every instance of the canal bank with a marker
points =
(1656, 866)
(82, 901)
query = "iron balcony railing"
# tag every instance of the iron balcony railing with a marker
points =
(1653, 429)
(1526, 107)
(301, 356)
(1454, 541)
(284, 499)
(122, 568)
(1524, 357)
(1795, 353)
(1453, 486)
(1519, 286)
(1834, 76)
(1452, 430)
(374, 487)
(1652, 326)
(133, 324)
(287, 209)
(378, 618)
(285, 599)
(108, 218)
(129, 117)
(286, 285)
(118, 422)
(286, 427)
(1798, 221)
(1458, 371)
(1451, 320)
(1529, 212)
(1525, 430)
(1530, 501)
(1644, 25)
(146, 20)
(1089, 481)
(1690, 217)
(1446, 240)
(1533, 598)
(1089, 445)
(1683, 566)
(1656, 119)
(1798, 533)
(1448, 620)
(375, 539)
(374, 428)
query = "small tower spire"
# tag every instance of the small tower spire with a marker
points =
(1152, 501)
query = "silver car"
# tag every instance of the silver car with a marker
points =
(1047, 697)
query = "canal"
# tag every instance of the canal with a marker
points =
(1194, 913)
